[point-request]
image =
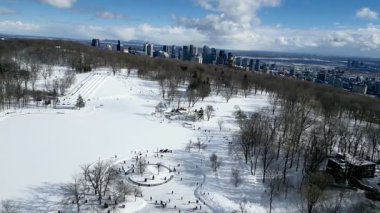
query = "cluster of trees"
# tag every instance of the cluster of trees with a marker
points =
(18, 84)
(297, 133)
(201, 79)
(304, 123)
(98, 186)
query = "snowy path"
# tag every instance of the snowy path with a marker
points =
(86, 88)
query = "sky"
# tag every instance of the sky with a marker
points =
(331, 27)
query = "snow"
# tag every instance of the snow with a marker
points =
(49, 145)
(45, 146)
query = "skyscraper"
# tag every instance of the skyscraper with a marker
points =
(213, 56)
(251, 64)
(186, 53)
(222, 58)
(230, 59)
(193, 51)
(146, 48)
(245, 62)
(118, 46)
(180, 53)
(150, 50)
(238, 61)
(206, 54)
(257, 65)
(174, 52)
(165, 48)
(95, 43)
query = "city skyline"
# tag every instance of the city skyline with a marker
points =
(322, 27)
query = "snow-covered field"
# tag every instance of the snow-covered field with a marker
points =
(49, 145)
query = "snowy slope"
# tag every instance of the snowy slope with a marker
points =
(50, 145)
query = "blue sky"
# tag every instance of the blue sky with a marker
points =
(318, 26)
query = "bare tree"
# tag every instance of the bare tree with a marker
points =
(228, 91)
(159, 166)
(74, 192)
(137, 193)
(9, 206)
(209, 111)
(141, 165)
(220, 124)
(160, 107)
(240, 115)
(99, 176)
(192, 96)
(200, 145)
(215, 162)
(312, 191)
(189, 145)
(236, 177)
(122, 189)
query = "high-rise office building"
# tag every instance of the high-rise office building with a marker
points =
(150, 50)
(238, 61)
(222, 58)
(257, 65)
(206, 54)
(251, 64)
(230, 59)
(174, 52)
(165, 48)
(118, 46)
(193, 51)
(95, 43)
(186, 53)
(213, 56)
(146, 48)
(180, 53)
(245, 62)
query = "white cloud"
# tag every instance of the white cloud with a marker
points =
(229, 24)
(60, 3)
(366, 13)
(6, 11)
(17, 27)
(228, 21)
(109, 15)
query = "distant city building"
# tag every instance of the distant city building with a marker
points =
(150, 50)
(165, 48)
(359, 88)
(161, 54)
(230, 59)
(109, 47)
(174, 53)
(186, 53)
(146, 48)
(180, 53)
(251, 64)
(238, 61)
(245, 62)
(95, 43)
(222, 58)
(257, 65)
(213, 56)
(197, 59)
(206, 55)
(118, 46)
(193, 51)
(321, 77)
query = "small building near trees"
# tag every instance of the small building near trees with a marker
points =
(344, 166)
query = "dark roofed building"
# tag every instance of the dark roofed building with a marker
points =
(344, 166)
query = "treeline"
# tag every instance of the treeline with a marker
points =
(225, 80)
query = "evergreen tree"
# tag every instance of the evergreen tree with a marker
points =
(80, 102)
